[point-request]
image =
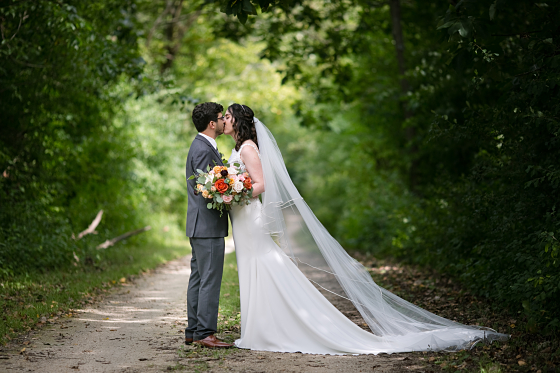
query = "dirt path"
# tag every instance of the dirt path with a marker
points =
(135, 329)
(139, 328)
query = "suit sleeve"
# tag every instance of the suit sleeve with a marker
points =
(203, 160)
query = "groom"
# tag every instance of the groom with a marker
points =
(206, 229)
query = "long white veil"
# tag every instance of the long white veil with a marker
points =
(294, 227)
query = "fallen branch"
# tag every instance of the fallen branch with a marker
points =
(109, 243)
(92, 226)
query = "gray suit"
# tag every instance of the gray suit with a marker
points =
(206, 230)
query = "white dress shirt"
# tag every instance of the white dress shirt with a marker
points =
(211, 140)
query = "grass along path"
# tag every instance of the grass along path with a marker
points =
(136, 327)
(31, 301)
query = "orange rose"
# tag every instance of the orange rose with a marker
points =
(217, 169)
(247, 183)
(221, 186)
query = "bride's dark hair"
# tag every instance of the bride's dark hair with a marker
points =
(243, 124)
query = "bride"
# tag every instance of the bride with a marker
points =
(283, 250)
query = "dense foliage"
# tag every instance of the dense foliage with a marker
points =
(471, 129)
(442, 149)
(492, 217)
(57, 63)
(95, 102)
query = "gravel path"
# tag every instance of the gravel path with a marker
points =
(134, 329)
(139, 328)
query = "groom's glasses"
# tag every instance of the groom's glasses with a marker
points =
(221, 118)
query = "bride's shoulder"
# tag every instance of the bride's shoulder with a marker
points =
(248, 142)
(249, 146)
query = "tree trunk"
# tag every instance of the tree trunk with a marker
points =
(176, 28)
(399, 42)
(172, 41)
(410, 132)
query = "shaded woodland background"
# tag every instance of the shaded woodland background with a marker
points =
(424, 130)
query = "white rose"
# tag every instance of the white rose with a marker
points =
(232, 170)
(209, 179)
(238, 186)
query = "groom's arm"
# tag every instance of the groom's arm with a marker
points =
(203, 160)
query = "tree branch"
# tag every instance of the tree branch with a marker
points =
(2, 27)
(29, 64)
(21, 19)
(109, 243)
(92, 226)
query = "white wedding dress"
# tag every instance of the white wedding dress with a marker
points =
(282, 311)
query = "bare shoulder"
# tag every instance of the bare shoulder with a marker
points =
(249, 142)
(250, 148)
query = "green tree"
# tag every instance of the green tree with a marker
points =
(58, 61)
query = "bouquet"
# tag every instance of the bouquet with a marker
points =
(224, 186)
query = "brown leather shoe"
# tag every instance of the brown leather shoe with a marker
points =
(188, 341)
(212, 342)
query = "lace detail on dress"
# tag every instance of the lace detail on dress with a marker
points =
(251, 145)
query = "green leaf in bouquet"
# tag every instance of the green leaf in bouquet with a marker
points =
(219, 199)
(236, 164)
(208, 167)
(237, 198)
(201, 180)
(208, 186)
(191, 177)
(209, 206)
(199, 171)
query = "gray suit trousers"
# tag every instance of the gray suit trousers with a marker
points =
(203, 295)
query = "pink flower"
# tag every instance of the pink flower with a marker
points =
(241, 177)
(227, 199)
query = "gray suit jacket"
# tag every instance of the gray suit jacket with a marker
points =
(202, 222)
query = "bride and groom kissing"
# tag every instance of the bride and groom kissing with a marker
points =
(276, 237)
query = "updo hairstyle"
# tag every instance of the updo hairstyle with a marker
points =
(243, 124)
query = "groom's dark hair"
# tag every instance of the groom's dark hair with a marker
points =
(204, 113)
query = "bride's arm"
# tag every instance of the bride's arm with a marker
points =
(252, 162)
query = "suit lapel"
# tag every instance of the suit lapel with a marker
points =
(201, 138)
